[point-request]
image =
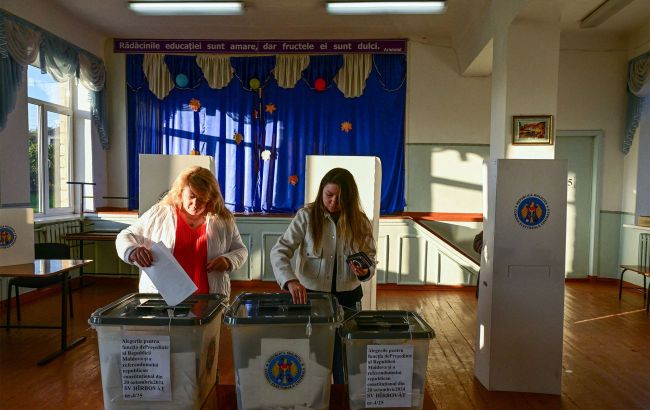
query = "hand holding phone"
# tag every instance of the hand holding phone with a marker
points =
(360, 259)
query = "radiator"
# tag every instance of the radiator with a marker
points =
(54, 232)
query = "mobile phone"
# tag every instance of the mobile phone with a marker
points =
(361, 259)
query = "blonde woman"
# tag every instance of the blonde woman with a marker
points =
(193, 222)
(324, 233)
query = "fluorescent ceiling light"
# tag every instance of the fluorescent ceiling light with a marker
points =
(386, 7)
(187, 8)
(601, 13)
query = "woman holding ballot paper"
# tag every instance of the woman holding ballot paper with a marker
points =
(193, 222)
(336, 249)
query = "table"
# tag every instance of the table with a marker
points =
(89, 236)
(44, 268)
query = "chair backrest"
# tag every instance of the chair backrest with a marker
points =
(644, 250)
(51, 251)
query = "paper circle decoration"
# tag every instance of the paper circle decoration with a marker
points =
(254, 83)
(320, 84)
(182, 80)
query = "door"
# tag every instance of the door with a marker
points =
(579, 151)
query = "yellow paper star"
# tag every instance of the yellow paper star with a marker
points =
(238, 138)
(270, 108)
(195, 104)
(346, 126)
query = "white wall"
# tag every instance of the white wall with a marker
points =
(442, 105)
(116, 158)
(592, 96)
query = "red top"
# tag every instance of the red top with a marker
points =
(191, 251)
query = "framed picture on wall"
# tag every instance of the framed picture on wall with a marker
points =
(532, 130)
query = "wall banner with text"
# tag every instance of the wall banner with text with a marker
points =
(121, 45)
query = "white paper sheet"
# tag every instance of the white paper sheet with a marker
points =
(168, 276)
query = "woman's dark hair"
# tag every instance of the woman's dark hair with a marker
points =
(353, 224)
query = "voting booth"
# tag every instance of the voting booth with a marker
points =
(386, 355)
(158, 173)
(156, 356)
(367, 175)
(521, 300)
(283, 351)
(16, 236)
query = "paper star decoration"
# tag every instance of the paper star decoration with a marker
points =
(346, 126)
(293, 180)
(195, 104)
(238, 138)
(256, 114)
(266, 155)
(270, 108)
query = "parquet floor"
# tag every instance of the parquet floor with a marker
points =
(606, 351)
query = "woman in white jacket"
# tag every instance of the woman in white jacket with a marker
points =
(193, 222)
(323, 234)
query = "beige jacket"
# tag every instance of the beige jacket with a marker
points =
(158, 224)
(314, 268)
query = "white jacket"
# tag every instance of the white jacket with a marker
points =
(158, 224)
(314, 268)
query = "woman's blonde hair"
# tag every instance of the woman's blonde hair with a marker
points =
(204, 185)
(354, 226)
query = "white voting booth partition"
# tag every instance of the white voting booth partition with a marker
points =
(521, 299)
(16, 236)
(367, 175)
(158, 172)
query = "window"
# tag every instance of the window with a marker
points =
(51, 120)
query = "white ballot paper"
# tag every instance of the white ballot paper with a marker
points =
(168, 276)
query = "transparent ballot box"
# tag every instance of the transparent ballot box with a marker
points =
(282, 351)
(386, 359)
(155, 356)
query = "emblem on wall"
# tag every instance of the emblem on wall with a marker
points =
(7, 236)
(531, 211)
(284, 370)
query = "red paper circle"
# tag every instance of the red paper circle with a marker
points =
(320, 84)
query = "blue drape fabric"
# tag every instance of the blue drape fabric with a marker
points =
(259, 137)
(638, 94)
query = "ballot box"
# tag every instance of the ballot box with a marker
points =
(386, 359)
(156, 356)
(283, 351)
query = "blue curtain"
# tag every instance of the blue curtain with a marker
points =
(259, 138)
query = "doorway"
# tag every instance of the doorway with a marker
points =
(581, 150)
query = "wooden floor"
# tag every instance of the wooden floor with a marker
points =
(606, 351)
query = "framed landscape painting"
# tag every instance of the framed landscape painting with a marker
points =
(532, 130)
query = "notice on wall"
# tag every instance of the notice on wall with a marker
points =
(389, 375)
(145, 368)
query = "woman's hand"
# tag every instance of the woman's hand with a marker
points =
(219, 264)
(141, 256)
(358, 270)
(298, 292)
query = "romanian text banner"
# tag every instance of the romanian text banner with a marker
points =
(259, 46)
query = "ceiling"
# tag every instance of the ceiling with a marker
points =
(285, 19)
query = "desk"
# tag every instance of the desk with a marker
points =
(44, 268)
(89, 236)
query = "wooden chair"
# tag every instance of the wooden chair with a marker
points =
(41, 251)
(643, 267)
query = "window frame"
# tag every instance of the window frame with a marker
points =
(43, 108)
